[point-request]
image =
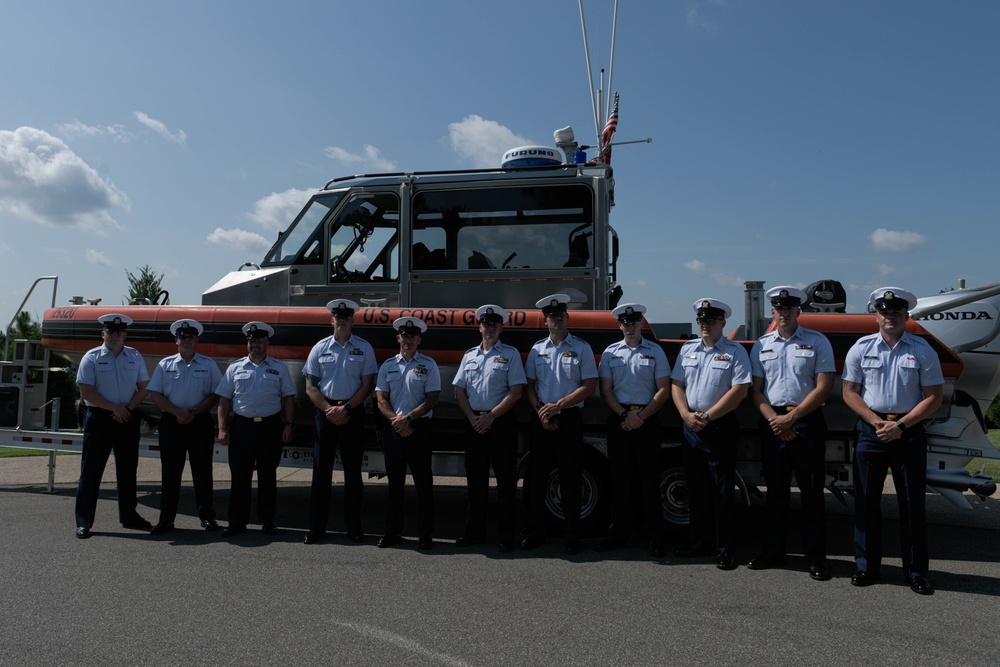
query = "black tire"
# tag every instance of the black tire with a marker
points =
(674, 496)
(595, 511)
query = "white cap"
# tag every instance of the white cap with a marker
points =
(115, 321)
(185, 327)
(553, 302)
(253, 329)
(629, 312)
(491, 312)
(342, 307)
(406, 325)
(894, 297)
(711, 304)
(782, 295)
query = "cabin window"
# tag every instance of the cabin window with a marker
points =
(302, 242)
(364, 239)
(537, 227)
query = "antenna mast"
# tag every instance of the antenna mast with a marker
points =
(590, 72)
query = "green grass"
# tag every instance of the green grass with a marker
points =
(992, 467)
(11, 452)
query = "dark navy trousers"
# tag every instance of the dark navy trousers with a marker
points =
(908, 459)
(101, 436)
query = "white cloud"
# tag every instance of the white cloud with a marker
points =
(44, 181)
(277, 210)
(893, 241)
(249, 243)
(483, 141)
(727, 280)
(639, 282)
(884, 269)
(161, 128)
(76, 129)
(370, 157)
(698, 22)
(97, 257)
(695, 265)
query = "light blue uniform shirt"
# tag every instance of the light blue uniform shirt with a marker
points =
(891, 378)
(183, 384)
(340, 367)
(487, 377)
(634, 372)
(256, 391)
(558, 370)
(114, 378)
(708, 373)
(408, 383)
(789, 367)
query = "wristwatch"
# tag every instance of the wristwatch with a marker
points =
(901, 425)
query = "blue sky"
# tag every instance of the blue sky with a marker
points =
(792, 141)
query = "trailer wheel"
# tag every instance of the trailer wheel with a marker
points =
(674, 496)
(595, 498)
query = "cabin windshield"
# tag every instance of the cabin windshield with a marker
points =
(537, 227)
(302, 242)
(364, 239)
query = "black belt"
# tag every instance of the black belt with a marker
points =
(786, 408)
(258, 420)
(891, 416)
(480, 413)
(337, 402)
(633, 407)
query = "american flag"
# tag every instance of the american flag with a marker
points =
(608, 133)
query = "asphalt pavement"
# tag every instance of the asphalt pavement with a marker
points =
(192, 597)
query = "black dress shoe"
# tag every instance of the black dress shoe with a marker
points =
(425, 544)
(820, 572)
(468, 541)
(387, 541)
(506, 547)
(530, 542)
(693, 550)
(137, 523)
(269, 529)
(725, 560)
(920, 585)
(572, 547)
(82, 533)
(210, 524)
(657, 550)
(357, 538)
(863, 578)
(608, 545)
(765, 562)
(161, 528)
(233, 530)
(314, 538)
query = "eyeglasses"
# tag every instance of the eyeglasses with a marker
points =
(708, 320)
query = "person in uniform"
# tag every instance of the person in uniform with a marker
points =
(893, 381)
(634, 377)
(340, 374)
(256, 413)
(711, 378)
(792, 370)
(183, 388)
(561, 374)
(112, 380)
(407, 389)
(488, 384)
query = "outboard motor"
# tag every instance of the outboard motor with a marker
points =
(825, 296)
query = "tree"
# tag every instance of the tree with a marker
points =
(146, 287)
(993, 413)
